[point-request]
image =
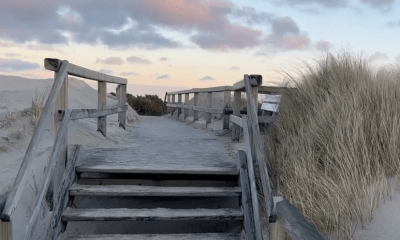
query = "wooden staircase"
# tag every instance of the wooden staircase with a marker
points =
(160, 203)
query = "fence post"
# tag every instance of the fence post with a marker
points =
(237, 98)
(227, 104)
(121, 96)
(102, 103)
(5, 227)
(179, 102)
(173, 102)
(195, 103)
(186, 111)
(208, 105)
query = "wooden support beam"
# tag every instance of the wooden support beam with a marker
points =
(165, 103)
(295, 224)
(212, 89)
(68, 178)
(237, 98)
(53, 64)
(121, 96)
(227, 105)
(186, 111)
(237, 120)
(195, 103)
(102, 104)
(247, 208)
(5, 230)
(209, 110)
(180, 102)
(96, 113)
(173, 102)
(254, 80)
(208, 105)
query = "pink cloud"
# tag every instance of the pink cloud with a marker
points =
(296, 42)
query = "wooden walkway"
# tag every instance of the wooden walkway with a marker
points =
(164, 145)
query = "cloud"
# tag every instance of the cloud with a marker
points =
(8, 54)
(378, 56)
(163, 59)
(392, 24)
(323, 46)
(129, 74)
(251, 15)
(164, 76)
(382, 4)
(325, 3)
(207, 78)
(11, 65)
(138, 60)
(106, 71)
(234, 68)
(111, 61)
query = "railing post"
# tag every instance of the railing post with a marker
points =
(165, 102)
(179, 102)
(195, 103)
(227, 104)
(173, 102)
(186, 111)
(5, 227)
(101, 104)
(208, 105)
(236, 112)
(121, 96)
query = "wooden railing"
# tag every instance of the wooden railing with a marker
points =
(56, 107)
(252, 161)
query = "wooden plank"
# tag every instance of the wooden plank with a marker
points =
(173, 102)
(15, 194)
(209, 110)
(55, 226)
(182, 236)
(121, 96)
(255, 80)
(295, 224)
(236, 112)
(181, 92)
(248, 221)
(195, 103)
(257, 144)
(186, 107)
(165, 103)
(156, 214)
(179, 106)
(95, 113)
(48, 174)
(102, 104)
(253, 188)
(212, 89)
(180, 103)
(77, 71)
(123, 190)
(5, 230)
(227, 105)
(237, 120)
(209, 106)
(3, 199)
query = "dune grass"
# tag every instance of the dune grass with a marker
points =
(36, 109)
(336, 142)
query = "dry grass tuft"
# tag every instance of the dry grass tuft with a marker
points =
(336, 142)
(36, 109)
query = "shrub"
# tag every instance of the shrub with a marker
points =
(150, 105)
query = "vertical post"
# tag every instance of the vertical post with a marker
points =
(169, 109)
(186, 111)
(173, 102)
(227, 104)
(208, 105)
(255, 95)
(179, 102)
(121, 96)
(237, 98)
(101, 104)
(195, 103)
(5, 230)
(165, 99)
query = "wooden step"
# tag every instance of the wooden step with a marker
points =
(157, 214)
(133, 190)
(193, 236)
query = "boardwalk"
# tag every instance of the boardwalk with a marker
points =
(165, 145)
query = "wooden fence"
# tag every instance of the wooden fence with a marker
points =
(50, 183)
(252, 161)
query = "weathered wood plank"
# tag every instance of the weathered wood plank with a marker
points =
(102, 104)
(209, 110)
(156, 214)
(209, 106)
(237, 120)
(255, 80)
(195, 103)
(121, 96)
(236, 112)
(5, 230)
(253, 188)
(165, 103)
(77, 71)
(227, 105)
(55, 226)
(186, 107)
(295, 224)
(191, 236)
(180, 103)
(257, 144)
(132, 190)
(48, 174)
(248, 221)
(16, 190)
(212, 89)
(179, 106)
(95, 113)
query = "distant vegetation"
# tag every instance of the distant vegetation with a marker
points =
(148, 105)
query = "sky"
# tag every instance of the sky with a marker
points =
(193, 43)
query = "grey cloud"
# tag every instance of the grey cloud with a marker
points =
(234, 68)
(383, 4)
(8, 54)
(392, 24)
(11, 65)
(129, 74)
(165, 76)
(111, 61)
(207, 78)
(106, 71)
(252, 16)
(163, 59)
(283, 25)
(138, 60)
(323, 45)
(325, 3)
(378, 56)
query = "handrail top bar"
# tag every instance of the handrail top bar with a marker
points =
(53, 64)
(198, 90)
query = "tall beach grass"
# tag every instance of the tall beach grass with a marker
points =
(336, 142)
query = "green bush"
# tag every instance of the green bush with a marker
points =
(149, 105)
